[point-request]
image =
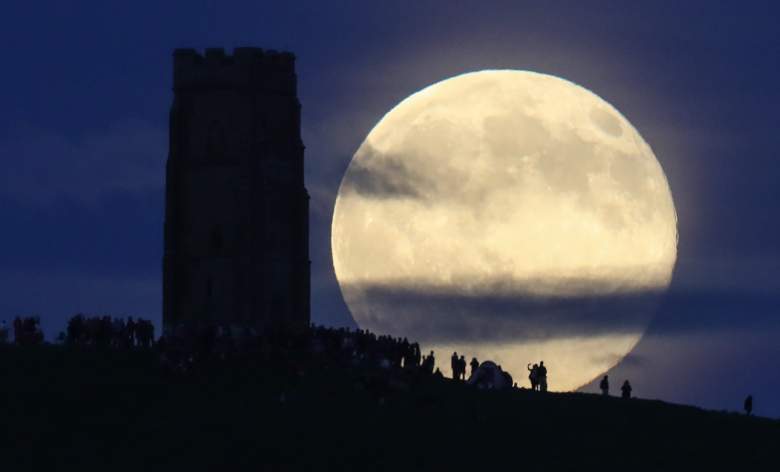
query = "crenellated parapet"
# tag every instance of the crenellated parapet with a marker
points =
(248, 68)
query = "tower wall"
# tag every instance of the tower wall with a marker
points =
(236, 225)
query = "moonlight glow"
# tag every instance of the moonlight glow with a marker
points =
(508, 215)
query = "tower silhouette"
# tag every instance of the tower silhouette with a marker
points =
(236, 213)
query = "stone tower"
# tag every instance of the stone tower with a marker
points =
(236, 209)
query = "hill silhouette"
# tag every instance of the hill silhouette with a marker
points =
(81, 408)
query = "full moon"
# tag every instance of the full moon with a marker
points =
(510, 216)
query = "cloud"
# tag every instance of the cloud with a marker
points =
(507, 312)
(383, 176)
(495, 313)
(41, 167)
(716, 311)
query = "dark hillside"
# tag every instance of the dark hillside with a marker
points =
(76, 409)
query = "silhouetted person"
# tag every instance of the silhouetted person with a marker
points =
(416, 355)
(474, 365)
(144, 333)
(3, 333)
(37, 332)
(428, 363)
(75, 330)
(454, 365)
(18, 333)
(749, 405)
(462, 367)
(542, 377)
(626, 390)
(103, 333)
(130, 334)
(604, 386)
(118, 329)
(27, 331)
(533, 376)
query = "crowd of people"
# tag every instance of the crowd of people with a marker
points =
(95, 331)
(26, 331)
(105, 331)
(366, 348)
(183, 348)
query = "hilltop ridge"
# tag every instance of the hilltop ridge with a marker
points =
(122, 409)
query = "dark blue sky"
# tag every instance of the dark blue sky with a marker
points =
(85, 89)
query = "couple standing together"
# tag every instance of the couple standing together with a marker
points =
(538, 376)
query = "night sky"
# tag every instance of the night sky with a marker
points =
(86, 86)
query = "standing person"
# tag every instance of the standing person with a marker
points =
(118, 332)
(533, 375)
(462, 367)
(454, 365)
(3, 333)
(542, 377)
(429, 363)
(130, 332)
(474, 365)
(18, 332)
(626, 390)
(749, 405)
(604, 386)
(416, 355)
(75, 330)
